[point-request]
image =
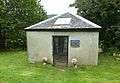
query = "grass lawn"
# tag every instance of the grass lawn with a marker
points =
(14, 68)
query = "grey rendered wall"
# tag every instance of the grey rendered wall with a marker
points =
(39, 45)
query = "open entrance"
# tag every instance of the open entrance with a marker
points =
(60, 50)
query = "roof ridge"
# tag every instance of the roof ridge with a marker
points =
(44, 21)
(85, 20)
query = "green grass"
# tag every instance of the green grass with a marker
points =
(14, 68)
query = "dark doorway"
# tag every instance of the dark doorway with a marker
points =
(60, 50)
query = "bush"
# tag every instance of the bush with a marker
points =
(112, 50)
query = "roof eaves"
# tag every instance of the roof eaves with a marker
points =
(62, 27)
(66, 29)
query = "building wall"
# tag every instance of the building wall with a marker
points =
(39, 45)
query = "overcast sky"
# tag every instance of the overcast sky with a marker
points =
(58, 6)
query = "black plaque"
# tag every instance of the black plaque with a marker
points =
(75, 43)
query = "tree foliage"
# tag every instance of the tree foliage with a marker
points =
(15, 15)
(105, 13)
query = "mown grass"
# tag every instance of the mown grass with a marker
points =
(14, 68)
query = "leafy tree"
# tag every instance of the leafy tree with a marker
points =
(15, 15)
(106, 13)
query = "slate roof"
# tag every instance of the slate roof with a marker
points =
(76, 22)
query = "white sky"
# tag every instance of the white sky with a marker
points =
(58, 6)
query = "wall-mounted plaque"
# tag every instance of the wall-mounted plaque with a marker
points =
(75, 43)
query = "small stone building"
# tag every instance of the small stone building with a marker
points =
(63, 38)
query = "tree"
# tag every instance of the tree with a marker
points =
(15, 15)
(105, 13)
